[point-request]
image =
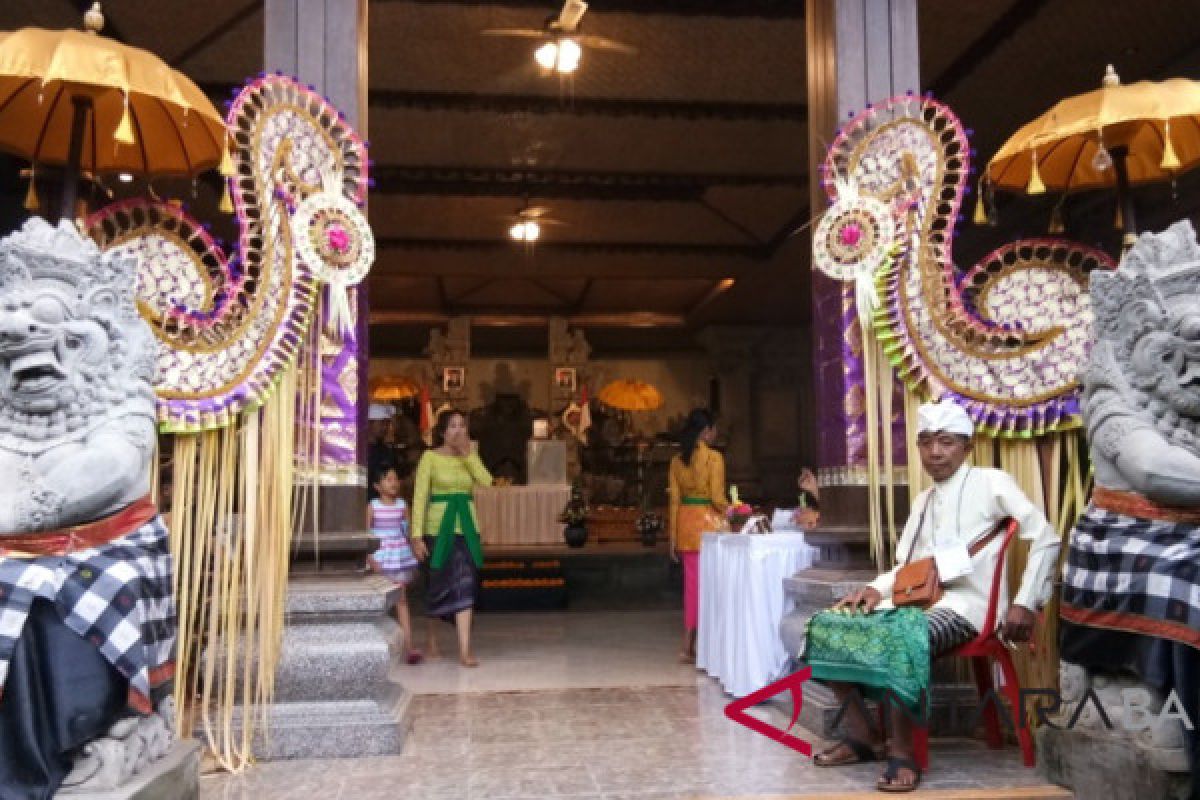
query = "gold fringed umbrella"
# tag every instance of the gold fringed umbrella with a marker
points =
(86, 102)
(1115, 136)
(629, 394)
(393, 387)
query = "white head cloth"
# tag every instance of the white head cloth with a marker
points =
(380, 411)
(944, 417)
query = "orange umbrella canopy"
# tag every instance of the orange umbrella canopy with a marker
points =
(146, 118)
(393, 387)
(629, 394)
(1157, 123)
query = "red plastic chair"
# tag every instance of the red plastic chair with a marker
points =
(983, 650)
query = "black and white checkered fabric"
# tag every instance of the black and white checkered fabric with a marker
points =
(1121, 571)
(117, 596)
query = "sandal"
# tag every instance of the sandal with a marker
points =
(859, 752)
(888, 780)
(414, 657)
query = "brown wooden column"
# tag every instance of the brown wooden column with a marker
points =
(859, 52)
(323, 43)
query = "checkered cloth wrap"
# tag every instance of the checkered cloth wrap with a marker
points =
(117, 596)
(1131, 574)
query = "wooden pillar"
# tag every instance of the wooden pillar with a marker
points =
(859, 52)
(323, 43)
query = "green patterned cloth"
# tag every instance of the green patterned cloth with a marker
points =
(883, 651)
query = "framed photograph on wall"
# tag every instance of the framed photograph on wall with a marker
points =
(454, 379)
(564, 379)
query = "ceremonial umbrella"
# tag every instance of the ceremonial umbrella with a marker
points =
(86, 102)
(1117, 135)
(628, 394)
(393, 387)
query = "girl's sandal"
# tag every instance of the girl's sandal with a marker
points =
(852, 751)
(889, 780)
(414, 657)
(468, 661)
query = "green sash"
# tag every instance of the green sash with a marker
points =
(458, 509)
(696, 501)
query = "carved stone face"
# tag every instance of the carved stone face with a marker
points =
(72, 347)
(47, 351)
(1166, 363)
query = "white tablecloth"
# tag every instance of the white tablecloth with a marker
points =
(742, 604)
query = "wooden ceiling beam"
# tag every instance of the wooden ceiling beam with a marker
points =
(768, 9)
(514, 264)
(576, 106)
(1006, 26)
(731, 251)
(584, 184)
(611, 319)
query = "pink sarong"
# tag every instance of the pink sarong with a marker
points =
(691, 588)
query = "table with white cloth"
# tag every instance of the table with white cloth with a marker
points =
(521, 515)
(742, 603)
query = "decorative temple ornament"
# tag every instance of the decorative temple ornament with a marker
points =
(258, 377)
(1006, 338)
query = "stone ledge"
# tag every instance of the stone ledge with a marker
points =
(175, 776)
(1099, 764)
(349, 729)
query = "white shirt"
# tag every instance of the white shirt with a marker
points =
(963, 508)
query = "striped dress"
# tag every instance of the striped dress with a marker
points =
(394, 558)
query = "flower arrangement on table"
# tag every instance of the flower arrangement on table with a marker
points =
(738, 512)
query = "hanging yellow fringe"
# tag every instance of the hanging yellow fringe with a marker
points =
(231, 530)
(1056, 220)
(124, 132)
(226, 171)
(1170, 161)
(226, 204)
(980, 217)
(1035, 185)
(32, 203)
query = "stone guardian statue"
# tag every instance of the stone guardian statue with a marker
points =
(1130, 612)
(87, 619)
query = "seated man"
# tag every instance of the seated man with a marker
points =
(867, 643)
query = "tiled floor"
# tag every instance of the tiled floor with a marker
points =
(523, 726)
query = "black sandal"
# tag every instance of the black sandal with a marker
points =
(887, 781)
(859, 753)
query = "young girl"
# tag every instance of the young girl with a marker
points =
(387, 518)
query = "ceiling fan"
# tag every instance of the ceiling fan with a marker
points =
(528, 221)
(564, 44)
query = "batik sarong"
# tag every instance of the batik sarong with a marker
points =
(885, 652)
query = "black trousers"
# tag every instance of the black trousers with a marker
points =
(60, 693)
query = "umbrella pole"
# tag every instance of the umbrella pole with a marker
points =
(70, 187)
(1124, 195)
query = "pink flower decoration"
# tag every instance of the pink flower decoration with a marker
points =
(337, 238)
(850, 234)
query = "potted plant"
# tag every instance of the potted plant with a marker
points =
(574, 517)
